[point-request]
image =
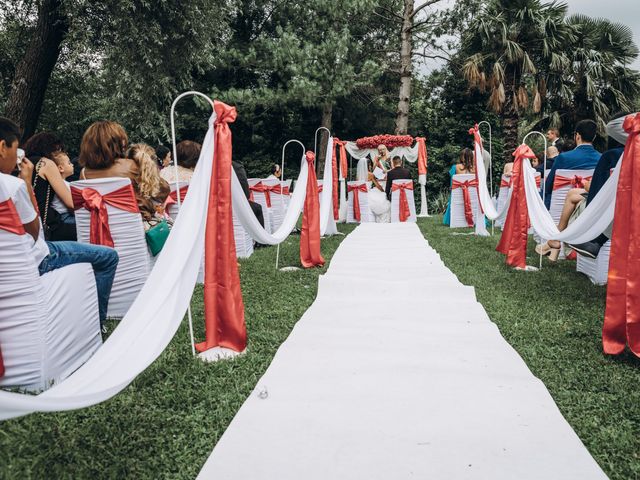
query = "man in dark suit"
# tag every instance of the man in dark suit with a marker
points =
(398, 172)
(241, 173)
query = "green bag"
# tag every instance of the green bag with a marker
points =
(156, 237)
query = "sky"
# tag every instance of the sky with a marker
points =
(623, 11)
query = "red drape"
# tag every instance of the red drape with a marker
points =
(622, 313)
(223, 305)
(513, 242)
(466, 196)
(422, 155)
(356, 189)
(404, 210)
(310, 254)
(344, 167)
(123, 198)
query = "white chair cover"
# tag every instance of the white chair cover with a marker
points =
(597, 269)
(365, 212)
(395, 203)
(278, 204)
(49, 325)
(458, 219)
(129, 241)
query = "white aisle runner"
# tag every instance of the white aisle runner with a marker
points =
(396, 372)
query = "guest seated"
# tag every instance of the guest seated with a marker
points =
(51, 189)
(275, 172)
(398, 172)
(583, 157)
(552, 153)
(241, 173)
(151, 191)
(464, 165)
(187, 153)
(163, 156)
(102, 153)
(50, 255)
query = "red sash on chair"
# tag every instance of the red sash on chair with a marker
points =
(573, 182)
(468, 211)
(10, 222)
(259, 187)
(277, 189)
(504, 183)
(356, 200)
(404, 211)
(123, 198)
(173, 196)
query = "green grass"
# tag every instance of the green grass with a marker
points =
(165, 424)
(553, 318)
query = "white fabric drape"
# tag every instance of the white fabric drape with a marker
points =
(249, 221)
(362, 171)
(151, 322)
(592, 221)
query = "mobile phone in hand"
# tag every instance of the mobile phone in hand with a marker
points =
(20, 157)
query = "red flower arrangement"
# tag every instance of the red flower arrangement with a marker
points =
(390, 141)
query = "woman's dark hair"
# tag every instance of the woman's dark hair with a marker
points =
(188, 153)
(466, 159)
(161, 153)
(274, 168)
(567, 146)
(9, 131)
(43, 144)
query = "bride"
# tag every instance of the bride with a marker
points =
(378, 203)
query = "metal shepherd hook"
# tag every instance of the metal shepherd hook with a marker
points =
(175, 166)
(490, 167)
(544, 166)
(284, 147)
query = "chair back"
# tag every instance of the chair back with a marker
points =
(362, 191)
(396, 197)
(564, 181)
(597, 269)
(458, 217)
(129, 241)
(256, 187)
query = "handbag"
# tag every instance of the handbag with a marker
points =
(156, 237)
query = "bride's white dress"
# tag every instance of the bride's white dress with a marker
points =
(379, 205)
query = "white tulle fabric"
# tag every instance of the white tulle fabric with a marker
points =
(592, 222)
(246, 217)
(152, 320)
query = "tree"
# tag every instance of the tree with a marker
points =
(503, 50)
(34, 70)
(598, 81)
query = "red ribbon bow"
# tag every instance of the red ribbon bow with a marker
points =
(513, 242)
(261, 188)
(576, 181)
(468, 211)
(622, 313)
(356, 200)
(278, 189)
(173, 196)
(404, 211)
(123, 198)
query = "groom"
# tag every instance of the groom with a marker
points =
(398, 172)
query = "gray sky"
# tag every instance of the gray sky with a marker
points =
(623, 11)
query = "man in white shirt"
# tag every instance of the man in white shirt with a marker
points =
(49, 255)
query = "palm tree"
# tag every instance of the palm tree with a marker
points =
(598, 82)
(503, 50)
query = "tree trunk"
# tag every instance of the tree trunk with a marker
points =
(34, 70)
(327, 115)
(406, 69)
(510, 121)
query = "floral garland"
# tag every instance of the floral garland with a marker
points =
(390, 141)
